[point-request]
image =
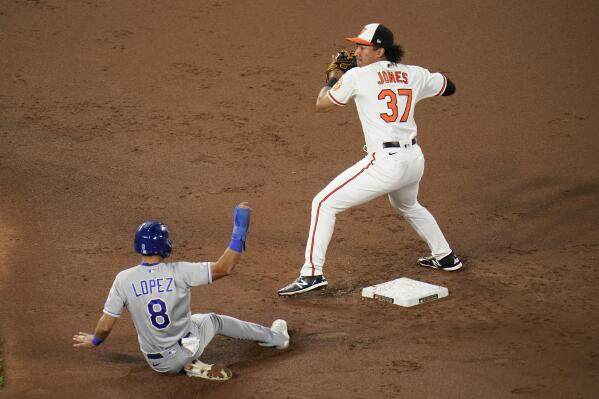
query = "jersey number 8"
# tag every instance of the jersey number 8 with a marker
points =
(391, 98)
(158, 317)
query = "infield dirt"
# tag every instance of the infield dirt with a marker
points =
(116, 112)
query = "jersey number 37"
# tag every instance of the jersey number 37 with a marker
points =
(391, 97)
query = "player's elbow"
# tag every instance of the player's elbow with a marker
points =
(320, 109)
(217, 270)
(223, 269)
(220, 272)
(225, 265)
(449, 89)
(322, 106)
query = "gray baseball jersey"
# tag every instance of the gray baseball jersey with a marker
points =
(157, 296)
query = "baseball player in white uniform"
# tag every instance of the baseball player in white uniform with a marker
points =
(157, 295)
(385, 93)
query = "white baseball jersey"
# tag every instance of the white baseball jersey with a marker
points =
(158, 298)
(385, 95)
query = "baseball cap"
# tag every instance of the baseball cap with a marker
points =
(374, 35)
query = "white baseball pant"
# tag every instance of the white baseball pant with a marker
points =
(392, 171)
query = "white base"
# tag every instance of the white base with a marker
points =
(405, 292)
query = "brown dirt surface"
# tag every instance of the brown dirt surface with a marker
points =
(115, 112)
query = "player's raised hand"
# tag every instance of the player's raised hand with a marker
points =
(244, 204)
(83, 340)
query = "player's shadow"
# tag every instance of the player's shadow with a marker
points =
(330, 292)
(121, 358)
(335, 292)
(245, 357)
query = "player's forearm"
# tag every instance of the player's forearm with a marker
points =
(225, 265)
(104, 327)
(323, 104)
(241, 223)
(321, 101)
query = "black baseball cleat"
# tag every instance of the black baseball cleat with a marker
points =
(304, 284)
(448, 263)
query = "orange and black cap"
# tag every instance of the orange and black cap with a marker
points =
(374, 35)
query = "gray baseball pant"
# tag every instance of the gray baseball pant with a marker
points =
(205, 327)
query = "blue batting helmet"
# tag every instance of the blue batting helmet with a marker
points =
(151, 238)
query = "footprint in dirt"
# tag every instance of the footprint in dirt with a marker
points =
(122, 33)
(525, 391)
(404, 366)
(122, 358)
(307, 342)
(325, 336)
(390, 390)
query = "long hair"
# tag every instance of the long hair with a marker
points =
(394, 53)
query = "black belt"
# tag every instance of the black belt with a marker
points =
(391, 144)
(158, 355)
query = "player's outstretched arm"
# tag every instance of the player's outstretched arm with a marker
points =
(103, 329)
(241, 223)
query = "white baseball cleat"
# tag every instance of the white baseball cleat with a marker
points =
(214, 372)
(278, 326)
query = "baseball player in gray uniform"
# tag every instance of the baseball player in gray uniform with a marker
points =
(385, 93)
(157, 295)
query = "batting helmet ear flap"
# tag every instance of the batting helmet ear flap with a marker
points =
(152, 238)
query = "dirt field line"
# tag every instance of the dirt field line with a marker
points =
(1, 363)
(6, 248)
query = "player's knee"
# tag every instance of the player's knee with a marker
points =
(409, 210)
(317, 200)
(325, 207)
(216, 321)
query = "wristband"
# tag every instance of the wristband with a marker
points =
(331, 82)
(241, 223)
(96, 341)
(237, 245)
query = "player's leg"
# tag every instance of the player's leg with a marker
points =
(355, 186)
(207, 326)
(406, 202)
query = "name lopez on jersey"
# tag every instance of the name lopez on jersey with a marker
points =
(392, 77)
(151, 286)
